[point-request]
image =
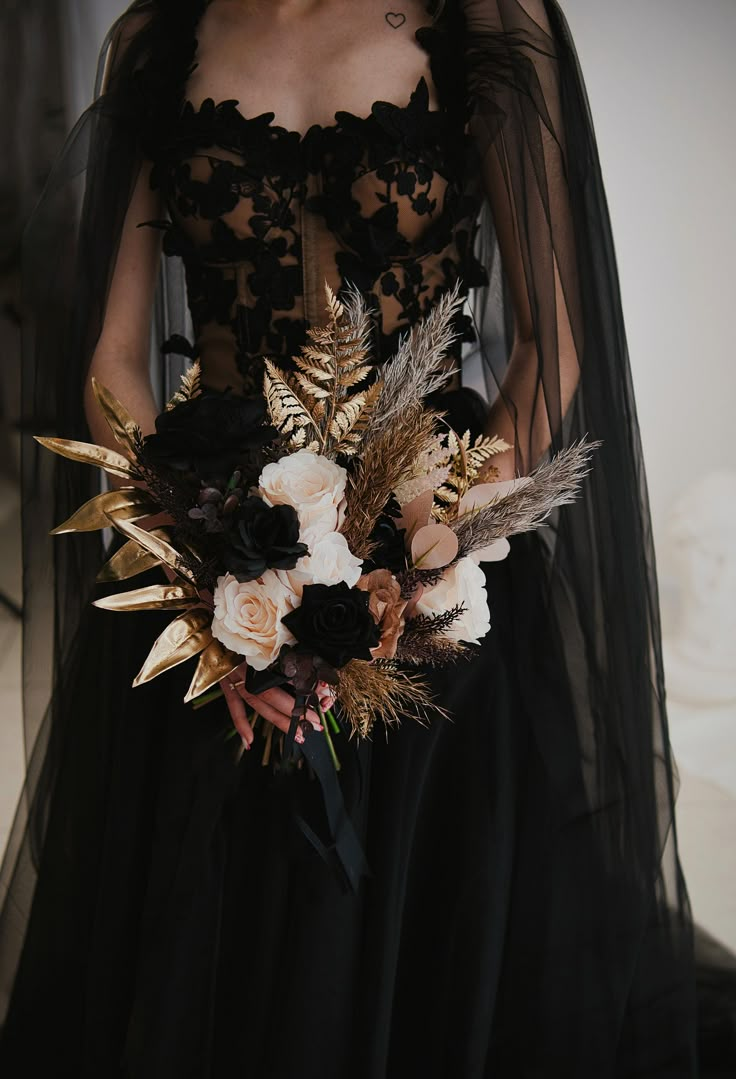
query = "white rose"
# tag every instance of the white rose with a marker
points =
(330, 561)
(248, 615)
(312, 484)
(464, 583)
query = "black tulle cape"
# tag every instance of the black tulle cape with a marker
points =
(560, 792)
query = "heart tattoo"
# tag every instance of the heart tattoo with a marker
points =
(395, 19)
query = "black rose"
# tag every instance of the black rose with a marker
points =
(262, 537)
(334, 622)
(387, 541)
(211, 434)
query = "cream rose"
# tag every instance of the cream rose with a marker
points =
(330, 562)
(464, 583)
(248, 615)
(313, 485)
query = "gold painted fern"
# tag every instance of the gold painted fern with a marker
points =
(190, 386)
(466, 463)
(315, 407)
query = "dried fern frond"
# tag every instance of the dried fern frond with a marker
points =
(482, 450)
(466, 461)
(382, 691)
(555, 483)
(432, 651)
(288, 412)
(429, 625)
(428, 471)
(328, 398)
(423, 640)
(418, 368)
(412, 578)
(378, 469)
(189, 387)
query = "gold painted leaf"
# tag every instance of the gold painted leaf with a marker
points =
(190, 386)
(216, 662)
(130, 503)
(121, 423)
(321, 374)
(90, 454)
(318, 356)
(129, 561)
(183, 638)
(353, 377)
(285, 407)
(155, 545)
(154, 597)
(346, 416)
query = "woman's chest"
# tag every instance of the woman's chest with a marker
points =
(392, 182)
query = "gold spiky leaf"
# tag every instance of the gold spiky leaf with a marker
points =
(121, 423)
(130, 503)
(154, 544)
(215, 662)
(154, 597)
(129, 560)
(190, 386)
(186, 636)
(89, 454)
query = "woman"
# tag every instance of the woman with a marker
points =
(525, 913)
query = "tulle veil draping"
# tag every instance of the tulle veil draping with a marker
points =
(562, 370)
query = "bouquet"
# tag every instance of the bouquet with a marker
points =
(330, 530)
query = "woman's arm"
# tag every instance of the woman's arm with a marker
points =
(520, 413)
(121, 360)
(525, 181)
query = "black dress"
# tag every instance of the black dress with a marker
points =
(182, 925)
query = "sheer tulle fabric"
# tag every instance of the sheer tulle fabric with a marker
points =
(526, 914)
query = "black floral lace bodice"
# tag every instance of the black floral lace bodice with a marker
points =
(263, 216)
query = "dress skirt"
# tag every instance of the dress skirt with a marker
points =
(184, 928)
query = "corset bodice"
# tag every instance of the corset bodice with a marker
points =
(262, 216)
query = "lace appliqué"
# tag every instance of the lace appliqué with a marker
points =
(388, 194)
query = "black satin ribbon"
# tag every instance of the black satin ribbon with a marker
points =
(345, 853)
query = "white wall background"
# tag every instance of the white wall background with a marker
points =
(662, 85)
(84, 25)
(661, 80)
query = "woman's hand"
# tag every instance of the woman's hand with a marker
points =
(274, 705)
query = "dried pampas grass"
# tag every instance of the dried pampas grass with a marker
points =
(384, 459)
(555, 483)
(370, 691)
(418, 368)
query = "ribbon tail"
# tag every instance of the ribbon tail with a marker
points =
(346, 844)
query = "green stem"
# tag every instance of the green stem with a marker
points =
(328, 736)
(333, 721)
(206, 698)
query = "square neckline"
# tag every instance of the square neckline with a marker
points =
(268, 118)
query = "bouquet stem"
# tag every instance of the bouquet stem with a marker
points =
(206, 698)
(333, 721)
(326, 720)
